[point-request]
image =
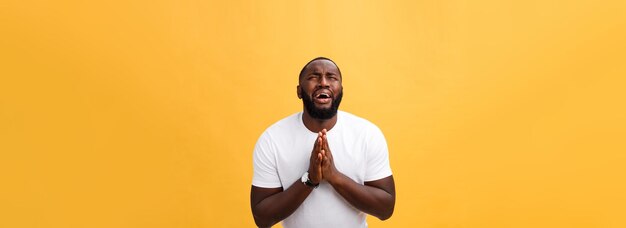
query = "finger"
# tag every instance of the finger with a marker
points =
(319, 157)
(325, 158)
(319, 171)
(316, 146)
(321, 143)
(327, 151)
(325, 146)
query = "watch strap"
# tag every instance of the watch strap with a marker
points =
(306, 181)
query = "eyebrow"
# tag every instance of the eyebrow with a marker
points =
(319, 73)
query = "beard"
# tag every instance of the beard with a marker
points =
(321, 113)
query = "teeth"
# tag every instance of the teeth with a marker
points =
(325, 95)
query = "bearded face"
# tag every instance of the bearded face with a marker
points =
(321, 112)
(320, 89)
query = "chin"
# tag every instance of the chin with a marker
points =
(324, 106)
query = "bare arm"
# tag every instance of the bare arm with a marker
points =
(272, 205)
(376, 198)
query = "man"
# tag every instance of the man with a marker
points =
(321, 167)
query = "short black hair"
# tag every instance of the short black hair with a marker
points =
(318, 58)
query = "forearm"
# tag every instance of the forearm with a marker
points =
(369, 199)
(279, 206)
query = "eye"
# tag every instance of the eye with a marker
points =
(313, 76)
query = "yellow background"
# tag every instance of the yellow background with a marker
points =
(145, 113)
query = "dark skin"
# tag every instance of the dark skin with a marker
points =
(272, 205)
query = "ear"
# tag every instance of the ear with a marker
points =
(298, 92)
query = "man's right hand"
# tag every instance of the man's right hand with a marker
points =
(315, 164)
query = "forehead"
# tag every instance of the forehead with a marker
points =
(322, 65)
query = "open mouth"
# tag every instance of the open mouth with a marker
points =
(323, 98)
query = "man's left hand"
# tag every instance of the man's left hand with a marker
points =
(329, 171)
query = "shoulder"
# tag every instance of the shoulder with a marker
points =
(354, 122)
(283, 126)
(275, 134)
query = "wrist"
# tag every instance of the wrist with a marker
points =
(334, 179)
(313, 177)
(308, 182)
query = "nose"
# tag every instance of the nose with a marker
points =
(323, 82)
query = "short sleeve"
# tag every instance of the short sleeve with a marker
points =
(377, 156)
(264, 162)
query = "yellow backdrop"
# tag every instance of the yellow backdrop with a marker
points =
(145, 113)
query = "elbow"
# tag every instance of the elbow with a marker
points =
(262, 220)
(386, 214)
(262, 223)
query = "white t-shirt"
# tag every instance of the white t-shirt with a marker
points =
(282, 155)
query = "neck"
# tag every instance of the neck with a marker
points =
(316, 125)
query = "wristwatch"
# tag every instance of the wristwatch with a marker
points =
(306, 181)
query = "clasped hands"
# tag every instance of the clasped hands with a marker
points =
(321, 165)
